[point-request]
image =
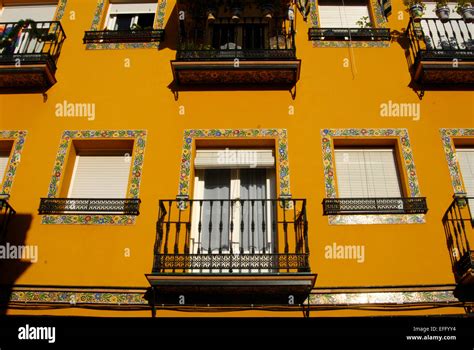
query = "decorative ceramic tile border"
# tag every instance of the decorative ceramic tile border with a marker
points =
(282, 148)
(382, 298)
(379, 23)
(18, 137)
(134, 186)
(60, 10)
(409, 166)
(77, 297)
(124, 297)
(100, 12)
(450, 151)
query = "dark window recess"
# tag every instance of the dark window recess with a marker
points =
(124, 22)
(146, 20)
(254, 36)
(222, 34)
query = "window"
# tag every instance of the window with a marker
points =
(245, 182)
(336, 14)
(127, 16)
(238, 36)
(100, 176)
(465, 158)
(39, 12)
(367, 173)
(4, 156)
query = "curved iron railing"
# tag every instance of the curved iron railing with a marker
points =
(351, 206)
(128, 206)
(30, 46)
(231, 236)
(459, 229)
(6, 213)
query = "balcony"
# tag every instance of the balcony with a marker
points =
(441, 54)
(6, 213)
(231, 252)
(459, 229)
(249, 50)
(365, 206)
(29, 52)
(345, 34)
(113, 206)
(123, 36)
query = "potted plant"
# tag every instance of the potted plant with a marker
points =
(366, 26)
(464, 8)
(442, 10)
(416, 8)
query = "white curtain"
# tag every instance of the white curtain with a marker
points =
(254, 213)
(215, 214)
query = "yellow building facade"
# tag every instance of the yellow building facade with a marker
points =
(359, 134)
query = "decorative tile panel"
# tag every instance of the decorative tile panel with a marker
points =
(18, 137)
(281, 143)
(447, 136)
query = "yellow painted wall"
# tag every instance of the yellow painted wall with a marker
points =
(328, 96)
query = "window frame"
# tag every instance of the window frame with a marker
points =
(405, 161)
(17, 137)
(62, 164)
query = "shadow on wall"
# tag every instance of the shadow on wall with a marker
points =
(12, 269)
(171, 31)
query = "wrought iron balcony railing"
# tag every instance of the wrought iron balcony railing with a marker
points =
(128, 206)
(355, 34)
(352, 206)
(123, 36)
(458, 225)
(31, 42)
(232, 236)
(252, 38)
(433, 40)
(6, 213)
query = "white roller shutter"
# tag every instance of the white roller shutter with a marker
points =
(100, 177)
(234, 158)
(367, 173)
(132, 8)
(338, 16)
(466, 162)
(4, 156)
(34, 12)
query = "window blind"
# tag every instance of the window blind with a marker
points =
(132, 8)
(339, 16)
(100, 177)
(234, 158)
(35, 12)
(466, 163)
(4, 156)
(367, 173)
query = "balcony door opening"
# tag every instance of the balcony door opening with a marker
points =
(465, 158)
(234, 210)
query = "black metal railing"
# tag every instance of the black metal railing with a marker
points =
(352, 206)
(6, 213)
(431, 39)
(355, 34)
(252, 38)
(232, 236)
(36, 42)
(459, 229)
(123, 36)
(127, 206)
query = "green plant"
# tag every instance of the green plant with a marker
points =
(411, 3)
(462, 4)
(364, 22)
(441, 3)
